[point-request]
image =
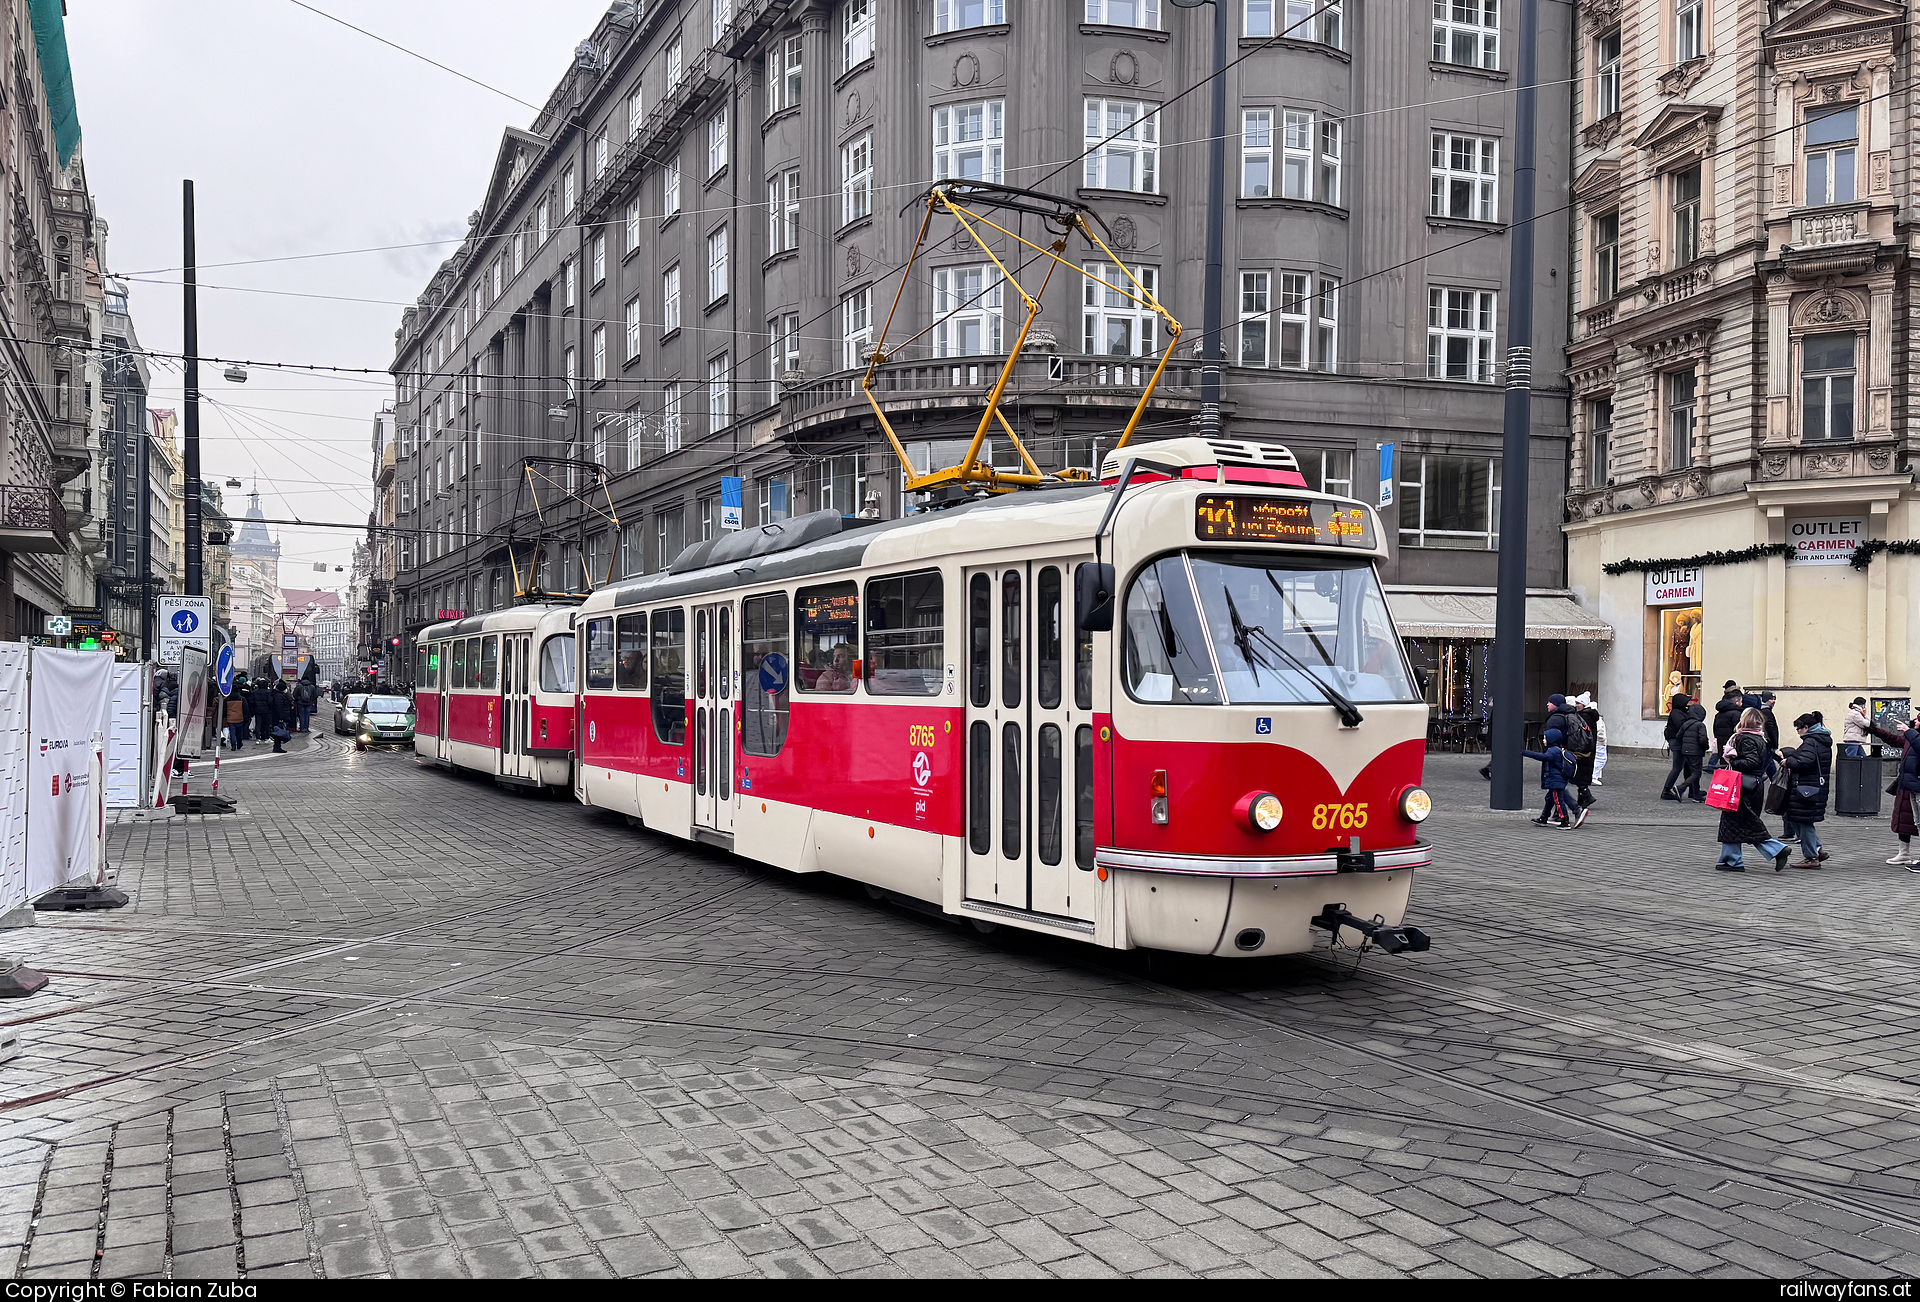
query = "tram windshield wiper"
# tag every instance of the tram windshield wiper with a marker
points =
(1248, 640)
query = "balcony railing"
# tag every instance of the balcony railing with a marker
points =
(1049, 379)
(1823, 228)
(32, 519)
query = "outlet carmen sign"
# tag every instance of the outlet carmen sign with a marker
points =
(1826, 541)
(1674, 586)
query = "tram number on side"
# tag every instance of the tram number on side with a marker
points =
(1350, 816)
(920, 734)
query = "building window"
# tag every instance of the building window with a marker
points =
(633, 226)
(600, 443)
(856, 178)
(1114, 322)
(1689, 30)
(1599, 440)
(543, 221)
(1466, 177)
(600, 352)
(1826, 387)
(1606, 257)
(599, 156)
(566, 193)
(1682, 398)
(1329, 471)
(783, 348)
(716, 143)
(1833, 138)
(633, 545)
(1308, 326)
(783, 75)
(717, 265)
(1467, 32)
(1256, 301)
(1296, 155)
(1606, 75)
(1451, 502)
(672, 204)
(633, 327)
(599, 260)
(676, 66)
(719, 393)
(722, 15)
(1460, 334)
(569, 290)
(1256, 154)
(856, 327)
(966, 307)
(632, 418)
(856, 33)
(1329, 162)
(952, 15)
(1124, 143)
(570, 369)
(671, 397)
(1685, 189)
(670, 299)
(783, 212)
(499, 275)
(636, 111)
(1298, 20)
(1124, 13)
(968, 141)
(773, 499)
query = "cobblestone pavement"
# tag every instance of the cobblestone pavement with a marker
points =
(386, 1020)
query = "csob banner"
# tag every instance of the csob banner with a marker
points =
(67, 700)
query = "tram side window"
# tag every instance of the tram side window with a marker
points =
(427, 676)
(979, 639)
(1083, 797)
(670, 676)
(1047, 815)
(1082, 657)
(630, 637)
(489, 663)
(766, 676)
(827, 631)
(556, 665)
(1047, 677)
(459, 678)
(980, 787)
(906, 647)
(599, 655)
(473, 663)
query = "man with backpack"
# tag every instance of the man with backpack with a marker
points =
(304, 697)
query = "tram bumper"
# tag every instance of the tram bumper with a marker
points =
(1235, 907)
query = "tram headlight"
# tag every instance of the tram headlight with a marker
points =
(1261, 810)
(1415, 804)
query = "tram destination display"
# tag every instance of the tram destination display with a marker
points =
(1237, 518)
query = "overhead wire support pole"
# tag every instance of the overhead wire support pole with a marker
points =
(190, 344)
(1508, 725)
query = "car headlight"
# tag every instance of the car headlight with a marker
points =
(1415, 804)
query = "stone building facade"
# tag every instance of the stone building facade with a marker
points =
(1742, 348)
(677, 270)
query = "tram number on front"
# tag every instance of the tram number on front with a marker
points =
(1347, 816)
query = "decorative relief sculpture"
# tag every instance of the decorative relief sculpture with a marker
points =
(1773, 465)
(1124, 70)
(966, 70)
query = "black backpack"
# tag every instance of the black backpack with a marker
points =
(1575, 735)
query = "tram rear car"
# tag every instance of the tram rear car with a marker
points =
(494, 694)
(939, 707)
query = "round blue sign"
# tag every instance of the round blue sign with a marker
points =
(773, 673)
(185, 621)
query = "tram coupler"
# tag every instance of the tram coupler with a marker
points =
(1393, 940)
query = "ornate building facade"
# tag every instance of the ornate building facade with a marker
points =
(1742, 498)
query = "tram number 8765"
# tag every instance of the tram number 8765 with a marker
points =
(1349, 816)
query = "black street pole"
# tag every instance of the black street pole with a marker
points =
(190, 344)
(145, 515)
(1510, 611)
(1212, 344)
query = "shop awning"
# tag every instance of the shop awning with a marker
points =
(1470, 614)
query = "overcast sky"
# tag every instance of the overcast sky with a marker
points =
(301, 137)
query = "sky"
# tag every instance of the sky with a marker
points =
(301, 137)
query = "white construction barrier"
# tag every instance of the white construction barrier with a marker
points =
(13, 775)
(128, 733)
(67, 699)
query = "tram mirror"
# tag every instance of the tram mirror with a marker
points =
(1093, 597)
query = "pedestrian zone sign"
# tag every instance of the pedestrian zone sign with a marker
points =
(184, 622)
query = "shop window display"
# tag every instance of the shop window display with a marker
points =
(1680, 651)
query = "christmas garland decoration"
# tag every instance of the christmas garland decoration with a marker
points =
(1863, 553)
(1758, 552)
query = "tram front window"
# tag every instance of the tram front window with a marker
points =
(1205, 628)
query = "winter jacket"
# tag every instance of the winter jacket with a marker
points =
(1691, 742)
(1810, 764)
(306, 694)
(1560, 718)
(1583, 777)
(1555, 767)
(1726, 717)
(1857, 730)
(236, 711)
(283, 707)
(1773, 728)
(1676, 720)
(1743, 825)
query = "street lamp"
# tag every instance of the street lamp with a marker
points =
(1211, 355)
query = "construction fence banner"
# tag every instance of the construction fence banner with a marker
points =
(127, 733)
(13, 775)
(196, 676)
(67, 700)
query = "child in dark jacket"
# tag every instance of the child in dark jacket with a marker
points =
(1556, 766)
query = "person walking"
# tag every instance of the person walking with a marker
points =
(1556, 766)
(1746, 752)
(262, 709)
(1585, 710)
(1726, 717)
(1678, 706)
(1773, 725)
(1856, 730)
(1906, 789)
(1809, 768)
(236, 717)
(282, 710)
(1691, 749)
(304, 697)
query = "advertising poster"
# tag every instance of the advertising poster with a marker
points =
(194, 676)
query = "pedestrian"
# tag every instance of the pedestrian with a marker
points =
(262, 709)
(236, 718)
(1856, 730)
(1746, 752)
(282, 710)
(1692, 749)
(1905, 789)
(1588, 714)
(304, 697)
(1809, 767)
(1773, 724)
(1556, 767)
(1599, 747)
(1726, 717)
(1678, 706)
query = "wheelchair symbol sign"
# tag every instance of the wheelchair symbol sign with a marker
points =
(1262, 727)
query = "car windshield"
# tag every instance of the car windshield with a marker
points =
(1210, 628)
(388, 705)
(358, 701)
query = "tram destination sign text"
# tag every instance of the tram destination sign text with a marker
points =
(1233, 517)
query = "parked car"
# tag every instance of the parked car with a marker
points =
(346, 719)
(385, 721)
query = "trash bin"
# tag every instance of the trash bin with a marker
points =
(1856, 786)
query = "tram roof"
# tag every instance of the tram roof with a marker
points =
(513, 618)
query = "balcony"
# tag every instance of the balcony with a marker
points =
(385, 476)
(1829, 226)
(682, 103)
(32, 519)
(752, 20)
(1595, 320)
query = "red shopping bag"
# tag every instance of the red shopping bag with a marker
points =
(1725, 791)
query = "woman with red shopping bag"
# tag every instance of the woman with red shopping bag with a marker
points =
(1746, 764)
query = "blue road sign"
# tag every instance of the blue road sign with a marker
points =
(185, 621)
(773, 672)
(223, 669)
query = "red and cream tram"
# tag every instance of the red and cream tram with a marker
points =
(1168, 710)
(495, 694)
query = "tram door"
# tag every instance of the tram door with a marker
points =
(715, 688)
(1021, 729)
(444, 751)
(515, 713)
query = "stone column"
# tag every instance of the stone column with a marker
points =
(1775, 603)
(1779, 360)
(1877, 598)
(1879, 368)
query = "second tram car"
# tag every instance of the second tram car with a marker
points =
(495, 694)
